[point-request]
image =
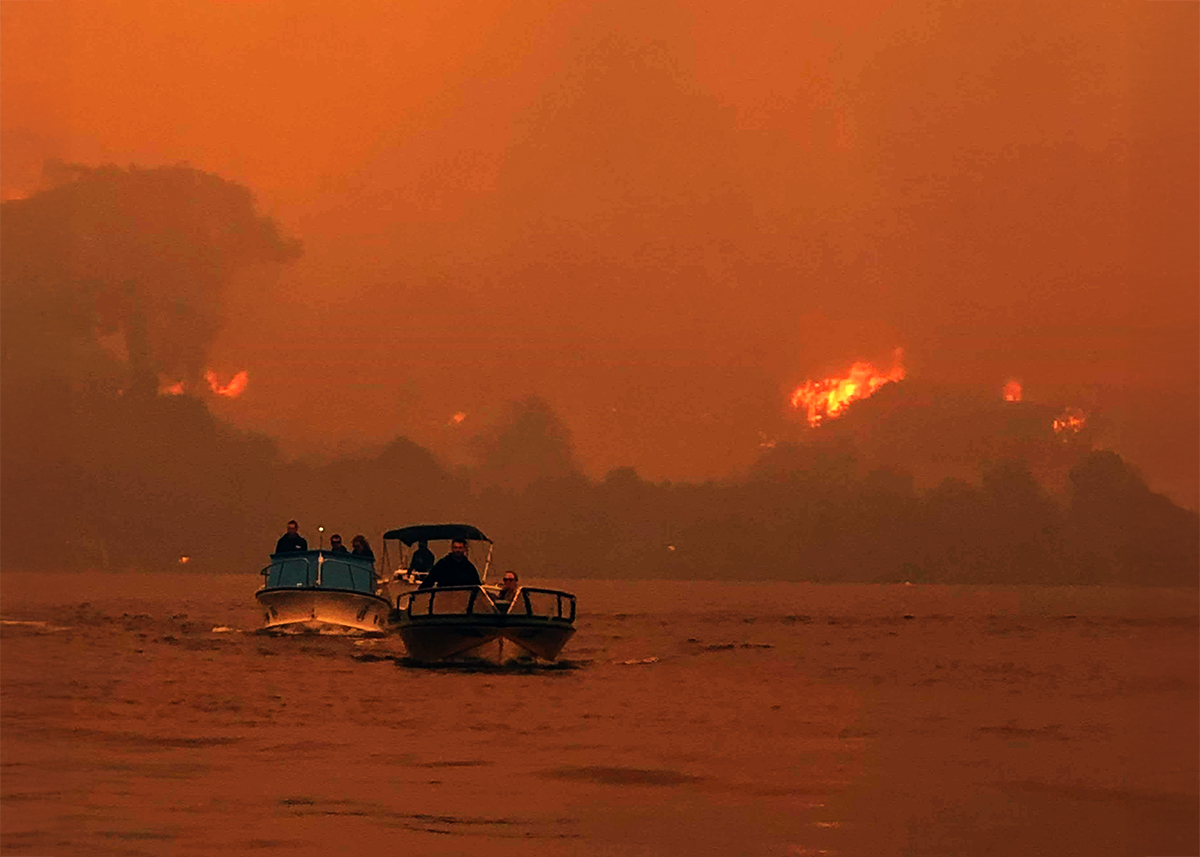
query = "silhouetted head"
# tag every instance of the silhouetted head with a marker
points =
(335, 541)
(293, 527)
(459, 547)
(509, 583)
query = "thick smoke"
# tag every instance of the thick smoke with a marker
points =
(111, 278)
(145, 254)
(915, 483)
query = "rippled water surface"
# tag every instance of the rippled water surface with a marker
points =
(142, 715)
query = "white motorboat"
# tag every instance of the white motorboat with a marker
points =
(319, 590)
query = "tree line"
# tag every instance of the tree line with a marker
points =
(99, 471)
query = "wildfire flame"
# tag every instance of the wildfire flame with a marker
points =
(830, 397)
(458, 418)
(1071, 421)
(169, 388)
(1012, 391)
(235, 387)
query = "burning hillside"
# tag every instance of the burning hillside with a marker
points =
(235, 387)
(1070, 421)
(830, 397)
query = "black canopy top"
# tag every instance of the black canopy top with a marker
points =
(433, 532)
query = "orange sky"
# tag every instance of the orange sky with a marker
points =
(661, 217)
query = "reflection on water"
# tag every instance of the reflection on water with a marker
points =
(142, 715)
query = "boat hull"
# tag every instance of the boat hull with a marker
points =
(472, 622)
(493, 638)
(317, 610)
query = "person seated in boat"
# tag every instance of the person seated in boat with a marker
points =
(508, 588)
(454, 569)
(422, 559)
(360, 547)
(291, 540)
(335, 544)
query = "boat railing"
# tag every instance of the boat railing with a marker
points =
(543, 603)
(529, 602)
(474, 600)
(450, 601)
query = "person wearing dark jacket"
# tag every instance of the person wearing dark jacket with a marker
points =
(361, 547)
(422, 558)
(454, 569)
(291, 540)
(335, 544)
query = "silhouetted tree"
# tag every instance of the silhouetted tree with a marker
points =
(146, 253)
(530, 445)
(1120, 531)
(92, 460)
(1022, 525)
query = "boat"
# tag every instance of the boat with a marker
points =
(474, 622)
(467, 622)
(322, 591)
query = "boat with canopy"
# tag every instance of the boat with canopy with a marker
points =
(453, 622)
(409, 571)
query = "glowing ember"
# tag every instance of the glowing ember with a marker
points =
(184, 560)
(830, 397)
(170, 388)
(1012, 391)
(458, 418)
(235, 387)
(1070, 421)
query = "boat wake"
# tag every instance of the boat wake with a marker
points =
(30, 623)
(515, 666)
(309, 631)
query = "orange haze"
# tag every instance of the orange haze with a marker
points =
(659, 216)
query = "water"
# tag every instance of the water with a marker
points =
(141, 715)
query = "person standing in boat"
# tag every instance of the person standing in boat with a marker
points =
(454, 569)
(422, 558)
(291, 540)
(335, 544)
(361, 548)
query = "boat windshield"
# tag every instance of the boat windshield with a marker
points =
(321, 570)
